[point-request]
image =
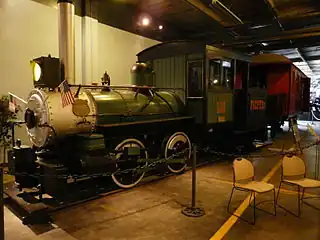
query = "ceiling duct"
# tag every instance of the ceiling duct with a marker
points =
(218, 7)
(279, 37)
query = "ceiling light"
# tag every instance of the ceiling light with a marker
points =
(145, 21)
(160, 27)
(264, 44)
(259, 26)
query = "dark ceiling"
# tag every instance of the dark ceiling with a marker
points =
(251, 26)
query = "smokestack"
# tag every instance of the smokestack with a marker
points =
(66, 38)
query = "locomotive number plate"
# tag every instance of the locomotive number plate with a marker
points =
(221, 107)
(257, 105)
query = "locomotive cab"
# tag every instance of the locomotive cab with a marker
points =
(215, 85)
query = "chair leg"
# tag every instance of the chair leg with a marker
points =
(274, 202)
(228, 208)
(254, 209)
(279, 205)
(310, 205)
(301, 200)
(302, 194)
(278, 192)
(250, 199)
(299, 205)
(230, 200)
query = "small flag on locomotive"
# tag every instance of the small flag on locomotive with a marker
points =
(66, 94)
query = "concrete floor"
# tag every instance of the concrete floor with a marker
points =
(153, 211)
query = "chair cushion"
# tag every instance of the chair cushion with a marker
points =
(305, 182)
(256, 186)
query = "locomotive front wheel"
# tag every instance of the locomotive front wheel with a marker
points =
(125, 175)
(178, 144)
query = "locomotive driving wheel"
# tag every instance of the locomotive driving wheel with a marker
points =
(126, 175)
(178, 144)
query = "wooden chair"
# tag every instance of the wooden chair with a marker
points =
(294, 173)
(243, 180)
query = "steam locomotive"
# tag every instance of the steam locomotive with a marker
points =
(181, 91)
(106, 130)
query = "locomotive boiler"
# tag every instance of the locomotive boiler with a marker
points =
(90, 131)
(95, 107)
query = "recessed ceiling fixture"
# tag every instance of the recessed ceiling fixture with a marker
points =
(160, 27)
(145, 21)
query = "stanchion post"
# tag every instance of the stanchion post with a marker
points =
(317, 160)
(193, 211)
(1, 205)
(317, 163)
(194, 177)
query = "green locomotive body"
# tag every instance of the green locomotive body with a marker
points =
(117, 106)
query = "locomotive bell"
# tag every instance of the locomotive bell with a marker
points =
(142, 74)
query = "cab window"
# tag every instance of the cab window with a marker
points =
(195, 77)
(227, 74)
(221, 73)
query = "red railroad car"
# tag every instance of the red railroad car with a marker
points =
(288, 88)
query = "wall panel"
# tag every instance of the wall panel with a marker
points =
(117, 52)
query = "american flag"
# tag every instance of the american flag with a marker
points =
(66, 94)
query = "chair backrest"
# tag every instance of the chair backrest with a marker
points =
(243, 169)
(293, 166)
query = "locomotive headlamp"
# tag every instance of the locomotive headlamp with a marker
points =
(46, 72)
(36, 71)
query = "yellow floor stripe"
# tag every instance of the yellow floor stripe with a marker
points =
(272, 172)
